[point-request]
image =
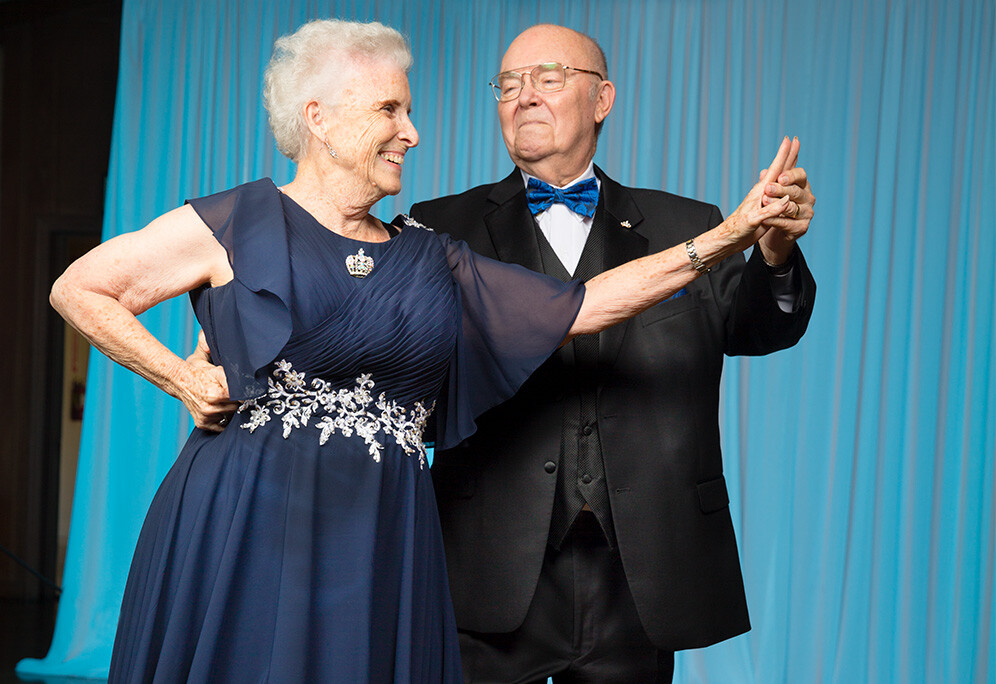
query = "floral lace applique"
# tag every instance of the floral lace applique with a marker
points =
(345, 410)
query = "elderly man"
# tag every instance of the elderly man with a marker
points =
(587, 525)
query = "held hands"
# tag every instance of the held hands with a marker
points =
(205, 394)
(788, 182)
(777, 210)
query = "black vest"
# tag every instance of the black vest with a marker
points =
(580, 472)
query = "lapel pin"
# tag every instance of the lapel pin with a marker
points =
(625, 224)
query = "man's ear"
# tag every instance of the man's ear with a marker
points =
(604, 100)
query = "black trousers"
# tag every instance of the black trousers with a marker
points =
(582, 624)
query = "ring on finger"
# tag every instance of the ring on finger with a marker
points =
(223, 422)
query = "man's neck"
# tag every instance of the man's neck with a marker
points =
(588, 172)
(550, 172)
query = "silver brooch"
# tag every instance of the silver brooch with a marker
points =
(359, 265)
(625, 224)
(409, 221)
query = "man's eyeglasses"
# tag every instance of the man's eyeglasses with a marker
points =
(547, 78)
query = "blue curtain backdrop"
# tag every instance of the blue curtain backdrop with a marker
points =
(861, 461)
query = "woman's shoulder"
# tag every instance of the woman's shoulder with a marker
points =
(404, 222)
(261, 187)
(249, 203)
(419, 232)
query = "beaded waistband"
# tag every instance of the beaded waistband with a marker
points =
(346, 410)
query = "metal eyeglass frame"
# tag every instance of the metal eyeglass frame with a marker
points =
(533, 73)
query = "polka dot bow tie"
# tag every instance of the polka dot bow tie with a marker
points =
(580, 198)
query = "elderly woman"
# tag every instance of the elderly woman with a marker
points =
(301, 542)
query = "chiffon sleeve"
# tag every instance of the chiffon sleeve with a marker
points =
(512, 320)
(250, 320)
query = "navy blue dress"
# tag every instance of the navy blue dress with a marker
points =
(302, 543)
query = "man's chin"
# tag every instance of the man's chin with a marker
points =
(532, 153)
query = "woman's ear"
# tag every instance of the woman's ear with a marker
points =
(315, 118)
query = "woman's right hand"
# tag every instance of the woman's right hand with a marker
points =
(205, 391)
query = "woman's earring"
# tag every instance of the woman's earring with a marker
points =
(329, 148)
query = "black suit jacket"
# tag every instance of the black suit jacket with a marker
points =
(658, 402)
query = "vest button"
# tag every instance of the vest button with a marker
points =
(586, 430)
(586, 478)
(549, 466)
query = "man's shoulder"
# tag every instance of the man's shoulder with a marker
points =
(660, 199)
(467, 200)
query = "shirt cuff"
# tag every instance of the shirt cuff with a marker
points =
(785, 287)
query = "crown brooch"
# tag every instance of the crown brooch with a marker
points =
(359, 265)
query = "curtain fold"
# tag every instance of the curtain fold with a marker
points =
(861, 462)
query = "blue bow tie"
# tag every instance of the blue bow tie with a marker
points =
(580, 198)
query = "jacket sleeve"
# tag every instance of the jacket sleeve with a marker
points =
(755, 323)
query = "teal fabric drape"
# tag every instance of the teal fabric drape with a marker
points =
(861, 461)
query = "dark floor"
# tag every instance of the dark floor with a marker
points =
(25, 632)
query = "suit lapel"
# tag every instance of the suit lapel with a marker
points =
(622, 242)
(512, 228)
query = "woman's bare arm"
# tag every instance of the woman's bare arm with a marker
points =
(101, 294)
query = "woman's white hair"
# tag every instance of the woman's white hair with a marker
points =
(310, 64)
